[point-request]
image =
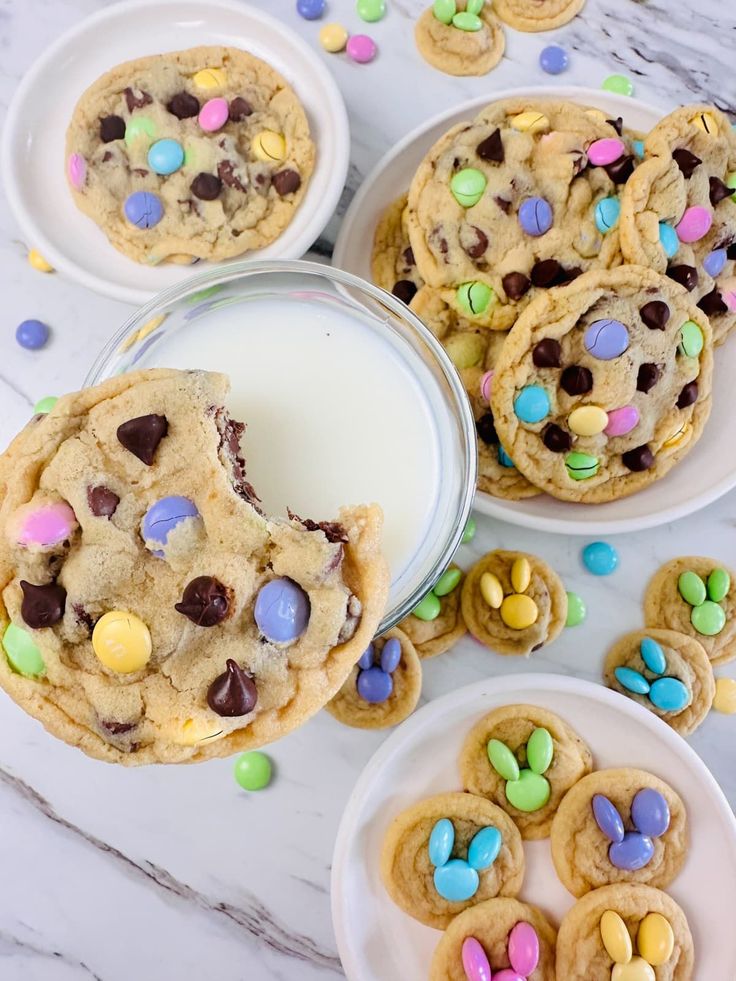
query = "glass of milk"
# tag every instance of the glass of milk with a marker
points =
(347, 399)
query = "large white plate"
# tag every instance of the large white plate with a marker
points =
(33, 142)
(379, 942)
(705, 474)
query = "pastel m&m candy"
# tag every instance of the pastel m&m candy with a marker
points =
(467, 186)
(163, 517)
(535, 216)
(532, 404)
(474, 298)
(691, 339)
(523, 949)
(502, 760)
(576, 610)
(441, 841)
(375, 685)
(32, 334)
(165, 156)
(607, 818)
(475, 961)
(607, 213)
(428, 608)
(42, 525)
(605, 151)
(268, 146)
(45, 404)
(466, 21)
(282, 611)
(484, 848)
(143, 209)
(361, 48)
(725, 696)
(310, 9)
(622, 421)
(718, 585)
(521, 574)
(530, 121)
(366, 658)
(668, 239)
(540, 750)
(581, 466)
(122, 642)
(210, 78)
(653, 655)
(447, 582)
(633, 853)
(600, 558)
(37, 262)
(391, 655)
(519, 611)
(371, 10)
(213, 115)
(616, 937)
(491, 590)
(650, 812)
(714, 262)
(469, 531)
(619, 84)
(333, 38)
(588, 420)
(22, 653)
(529, 793)
(139, 128)
(554, 59)
(606, 339)
(655, 939)
(694, 224)
(669, 695)
(76, 169)
(456, 881)
(253, 770)
(631, 680)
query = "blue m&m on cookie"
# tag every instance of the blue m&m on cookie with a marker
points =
(143, 209)
(165, 157)
(282, 611)
(532, 404)
(606, 339)
(535, 216)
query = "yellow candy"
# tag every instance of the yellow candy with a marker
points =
(707, 122)
(636, 970)
(491, 590)
(38, 262)
(616, 938)
(122, 642)
(196, 731)
(678, 437)
(210, 78)
(521, 574)
(530, 122)
(655, 939)
(268, 145)
(588, 420)
(465, 350)
(725, 697)
(333, 38)
(519, 612)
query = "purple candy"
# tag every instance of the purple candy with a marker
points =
(553, 59)
(535, 216)
(650, 812)
(163, 516)
(374, 685)
(366, 658)
(32, 334)
(282, 611)
(714, 262)
(607, 818)
(633, 853)
(391, 655)
(310, 9)
(143, 209)
(606, 339)
(475, 961)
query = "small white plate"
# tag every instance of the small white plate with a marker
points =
(703, 476)
(376, 940)
(33, 141)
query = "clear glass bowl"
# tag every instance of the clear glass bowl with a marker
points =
(194, 313)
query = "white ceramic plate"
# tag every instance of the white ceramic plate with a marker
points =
(33, 142)
(705, 474)
(379, 942)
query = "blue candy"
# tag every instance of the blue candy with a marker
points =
(532, 404)
(374, 685)
(638, 148)
(535, 216)
(484, 848)
(668, 239)
(143, 209)
(310, 9)
(441, 842)
(650, 812)
(714, 262)
(607, 213)
(456, 881)
(653, 655)
(32, 334)
(366, 658)
(553, 59)
(163, 516)
(282, 611)
(633, 853)
(632, 681)
(503, 458)
(600, 558)
(165, 156)
(607, 818)
(391, 655)
(606, 339)
(669, 695)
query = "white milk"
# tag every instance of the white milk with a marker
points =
(333, 412)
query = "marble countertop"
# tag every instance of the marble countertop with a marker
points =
(162, 873)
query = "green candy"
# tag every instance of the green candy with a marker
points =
(581, 466)
(719, 583)
(253, 771)
(467, 186)
(428, 609)
(447, 582)
(22, 653)
(691, 339)
(576, 610)
(469, 533)
(444, 10)
(139, 126)
(502, 760)
(465, 21)
(708, 618)
(529, 793)
(45, 405)
(371, 10)
(474, 298)
(731, 182)
(539, 751)
(619, 84)
(474, 6)
(691, 587)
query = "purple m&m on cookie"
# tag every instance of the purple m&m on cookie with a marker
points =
(694, 224)
(607, 818)
(622, 421)
(535, 216)
(650, 812)
(391, 655)
(143, 209)
(282, 611)
(606, 339)
(366, 658)
(76, 168)
(163, 517)
(633, 853)
(714, 262)
(375, 685)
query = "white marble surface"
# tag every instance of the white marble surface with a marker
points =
(174, 873)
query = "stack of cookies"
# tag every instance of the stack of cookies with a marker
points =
(578, 277)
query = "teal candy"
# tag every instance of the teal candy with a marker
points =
(607, 213)
(669, 694)
(441, 842)
(668, 239)
(484, 848)
(653, 656)
(456, 881)
(539, 750)
(638, 148)
(632, 681)
(503, 458)
(532, 404)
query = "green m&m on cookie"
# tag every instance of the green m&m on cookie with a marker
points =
(465, 21)
(467, 186)
(428, 608)
(581, 466)
(22, 652)
(474, 298)
(444, 10)
(707, 615)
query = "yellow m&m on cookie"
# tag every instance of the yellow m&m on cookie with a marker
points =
(707, 122)
(210, 78)
(530, 122)
(519, 611)
(491, 590)
(521, 574)
(269, 146)
(122, 642)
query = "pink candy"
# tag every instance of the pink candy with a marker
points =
(729, 298)
(485, 386)
(45, 525)
(622, 421)
(508, 975)
(523, 952)
(77, 170)
(213, 115)
(361, 48)
(604, 152)
(475, 962)
(694, 224)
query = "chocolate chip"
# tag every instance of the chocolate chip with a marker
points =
(408, 256)
(333, 531)
(688, 395)
(106, 156)
(286, 182)
(118, 728)
(142, 435)
(515, 285)
(102, 501)
(239, 109)
(556, 439)
(686, 276)
(233, 692)
(618, 124)
(686, 161)
(137, 99)
(712, 304)
(205, 601)
(655, 314)
(139, 172)
(620, 170)
(206, 187)
(112, 128)
(546, 272)
(477, 242)
(42, 606)
(567, 275)
(503, 203)
(638, 459)
(404, 290)
(491, 148)
(547, 353)
(576, 380)
(183, 105)
(579, 161)
(719, 191)
(731, 251)
(226, 173)
(83, 618)
(648, 377)
(486, 429)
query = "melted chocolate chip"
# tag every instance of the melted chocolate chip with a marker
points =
(618, 124)
(556, 439)
(547, 353)
(546, 273)
(491, 148)
(486, 429)
(206, 187)
(686, 276)
(233, 692)
(42, 606)
(688, 395)
(286, 182)
(731, 251)
(142, 435)
(503, 203)
(638, 459)
(686, 161)
(655, 314)
(620, 170)
(183, 105)
(712, 304)
(408, 256)
(719, 191)
(404, 290)
(229, 451)
(648, 377)
(118, 728)
(477, 242)
(137, 99)
(205, 601)
(567, 275)
(112, 128)
(334, 532)
(102, 501)
(515, 285)
(226, 173)
(83, 618)
(106, 156)
(239, 109)
(576, 380)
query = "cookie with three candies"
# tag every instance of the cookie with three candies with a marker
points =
(513, 602)
(525, 759)
(384, 686)
(149, 611)
(537, 15)
(625, 932)
(500, 935)
(392, 260)
(450, 852)
(523, 198)
(204, 153)
(679, 209)
(666, 672)
(697, 596)
(619, 826)
(604, 385)
(437, 624)
(460, 37)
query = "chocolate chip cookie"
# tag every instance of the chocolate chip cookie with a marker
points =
(469, 44)
(537, 15)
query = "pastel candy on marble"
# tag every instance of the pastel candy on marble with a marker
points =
(42, 525)
(77, 170)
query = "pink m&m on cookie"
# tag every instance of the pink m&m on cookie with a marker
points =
(622, 421)
(361, 48)
(42, 525)
(523, 950)
(604, 152)
(694, 224)
(213, 115)
(475, 962)
(729, 298)
(77, 170)
(485, 386)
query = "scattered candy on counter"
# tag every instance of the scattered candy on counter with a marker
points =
(371, 10)
(523, 955)
(253, 771)
(361, 48)
(22, 653)
(725, 696)
(600, 558)
(121, 641)
(375, 682)
(310, 9)
(707, 615)
(554, 59)
(163, 517)
(32, 334)
(527, 789)
(650, 815)
(665, 693)
(619, 84)
(576, 610)
(45, 405)
(456, 879)
(37, 261)
(469, 532)
(333, 38)
(655, 941)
